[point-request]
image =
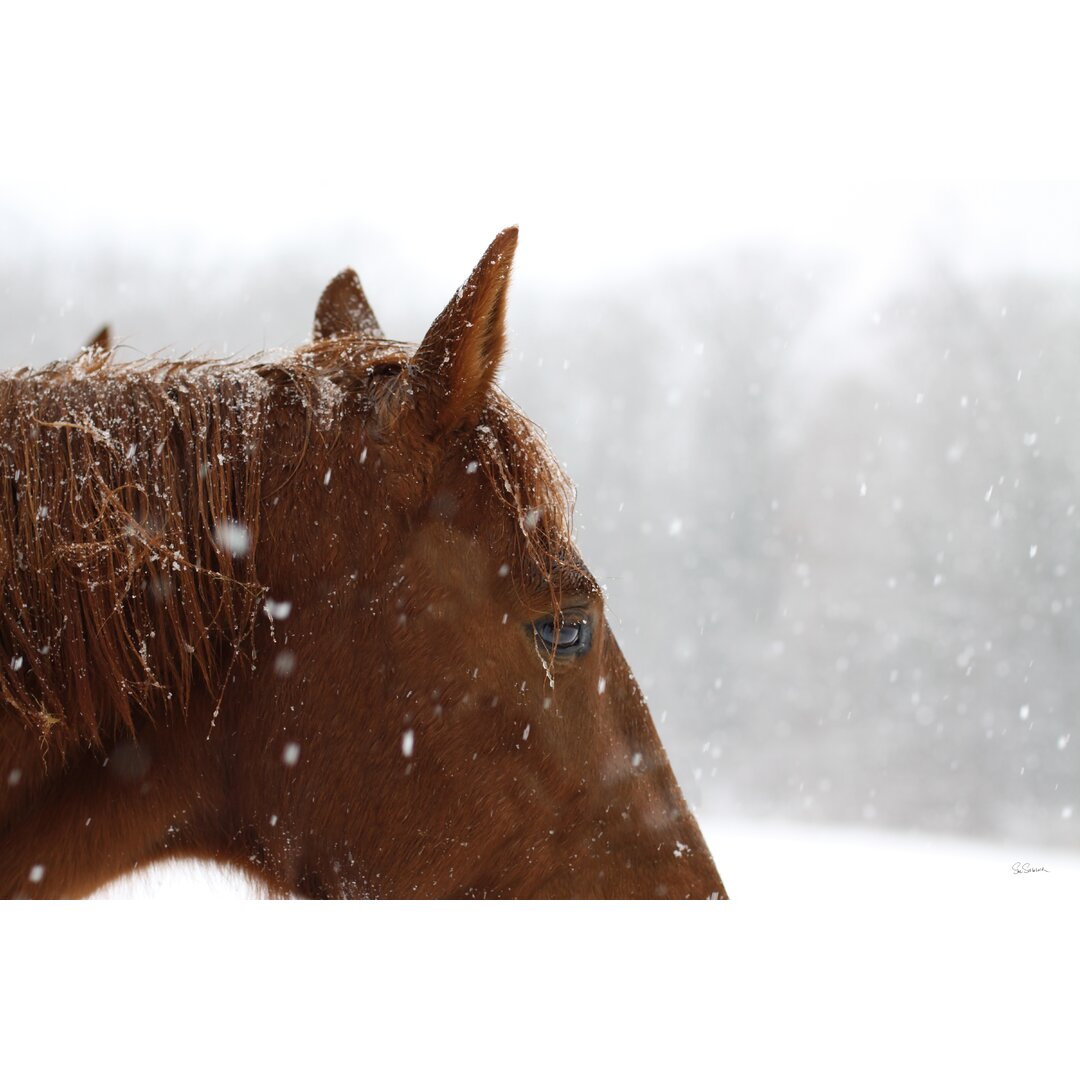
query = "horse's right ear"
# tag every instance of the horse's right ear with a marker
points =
(102, 340)
(458, 358)
(344, 310)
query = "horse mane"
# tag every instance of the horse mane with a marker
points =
(132, 512)
(130, 487)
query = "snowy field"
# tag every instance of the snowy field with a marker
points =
(772, 864)
(848, 953)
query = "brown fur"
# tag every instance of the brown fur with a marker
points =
(278, 613)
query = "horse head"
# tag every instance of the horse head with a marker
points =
(478, 711)
(430, 701)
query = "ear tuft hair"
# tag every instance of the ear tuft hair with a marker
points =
(101, 341)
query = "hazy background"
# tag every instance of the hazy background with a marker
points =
(796, 301)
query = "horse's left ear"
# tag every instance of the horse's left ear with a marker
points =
(460, 353)
(344, 310)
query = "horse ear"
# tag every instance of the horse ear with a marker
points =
(460, 353)
(344, 310)
(101, 340)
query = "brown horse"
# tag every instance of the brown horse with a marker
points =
(319, 617)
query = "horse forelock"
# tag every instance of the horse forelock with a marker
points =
(528, 480)
(513, 452)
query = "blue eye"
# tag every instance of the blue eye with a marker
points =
(566, 635)
(572, 638)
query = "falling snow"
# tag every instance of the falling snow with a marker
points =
(232, 537)
(278, 609)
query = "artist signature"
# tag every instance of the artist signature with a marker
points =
(1027, 868)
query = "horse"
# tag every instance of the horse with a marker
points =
(316, 615)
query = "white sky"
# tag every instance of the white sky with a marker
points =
(616, 136)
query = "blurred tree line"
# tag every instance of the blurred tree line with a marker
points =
(841, 541)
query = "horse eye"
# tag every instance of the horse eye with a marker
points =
(573, 637)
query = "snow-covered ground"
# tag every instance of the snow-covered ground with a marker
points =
(766, 863)
(848, 953)
(771, 862)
